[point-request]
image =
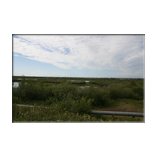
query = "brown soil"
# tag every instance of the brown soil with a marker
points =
(123, 108)
(118, 108)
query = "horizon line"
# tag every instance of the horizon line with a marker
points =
(75, 76)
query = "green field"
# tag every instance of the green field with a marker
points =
(71, 99)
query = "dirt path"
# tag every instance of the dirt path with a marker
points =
(123, 109)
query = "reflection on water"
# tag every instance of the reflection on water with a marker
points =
(26, 79)
(74, 80)
(15, 84)
(78, 80)
(84, 87)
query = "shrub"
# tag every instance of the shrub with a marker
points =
(132, 83)
(78, 106)
(82, 106)
(139, 91)
(114, 93)
(15, 100)
(50, 101)
(122, 93)
(99, 96)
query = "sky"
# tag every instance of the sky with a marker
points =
(116, 56)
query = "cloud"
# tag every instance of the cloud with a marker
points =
(16, 55)
(124, 53)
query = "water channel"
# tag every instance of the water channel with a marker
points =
(16, 84)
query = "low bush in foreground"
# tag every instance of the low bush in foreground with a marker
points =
(57, 114)
(52, 114)
(77, 106)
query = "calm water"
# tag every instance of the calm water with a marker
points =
(25, 79)
(15, 84)
(78, 80)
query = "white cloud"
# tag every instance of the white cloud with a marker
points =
(15, 55)
(97, 52)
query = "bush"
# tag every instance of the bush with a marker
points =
(52, 114)
(82, 106)
(132, 83)
(15, 100)
(124, 93)
(68, 96)
(78, 106)
(139, 91)
(50, 101)
(98, 96)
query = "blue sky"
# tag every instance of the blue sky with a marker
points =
(79, 55)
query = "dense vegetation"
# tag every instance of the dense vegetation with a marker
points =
(67, 96)
(57, 114)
